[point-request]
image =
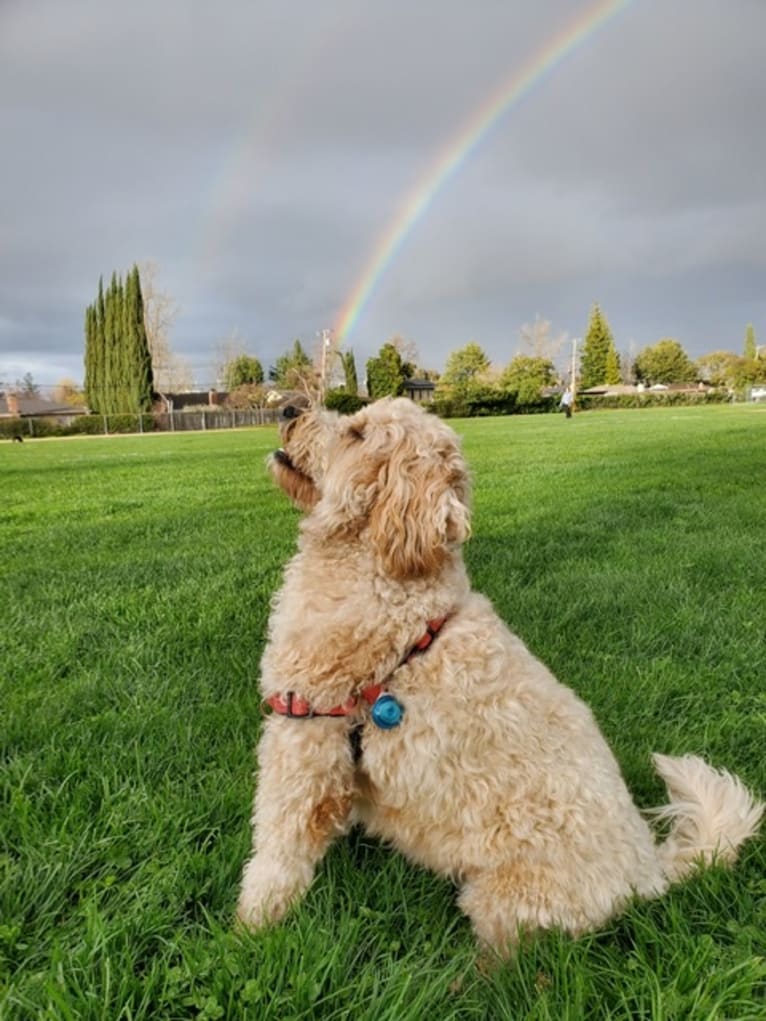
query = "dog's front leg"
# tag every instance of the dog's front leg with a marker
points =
(302, 802)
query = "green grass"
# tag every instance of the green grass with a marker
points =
(628, 549)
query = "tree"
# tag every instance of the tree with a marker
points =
(171, 372)
(751, 348)
(112, 400)
(613, 369)
(247, 396)
(118, 367)
(295, 370)
(26, 386)
(526, 376)
(719, 368)
(535, 339)
(752, 366)
(465, 366)
(387, 374)
(664, 362)
(137, 358)
(242, 370)
(351, 384)
(408, 352)
(600, 362)
(466, 381)
(97, 351)
(67, 391)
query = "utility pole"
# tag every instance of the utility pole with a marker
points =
(573, 376)
(326, 336)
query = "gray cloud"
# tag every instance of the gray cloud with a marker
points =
(258, 151)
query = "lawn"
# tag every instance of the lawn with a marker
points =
(628, 549)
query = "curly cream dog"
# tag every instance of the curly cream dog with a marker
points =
(496, 774)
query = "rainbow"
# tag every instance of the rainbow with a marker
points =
(462, 146)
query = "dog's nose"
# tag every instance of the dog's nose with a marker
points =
(289, 411)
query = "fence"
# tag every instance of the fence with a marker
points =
(111, 425)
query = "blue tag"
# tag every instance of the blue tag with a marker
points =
(387, 712)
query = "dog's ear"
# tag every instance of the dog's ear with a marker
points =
(421, 509)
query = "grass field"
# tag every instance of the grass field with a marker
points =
(628, 549)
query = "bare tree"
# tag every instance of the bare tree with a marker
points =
(226, 350)
(536, 340)
(171, 372)
(27, 387)
(408, 350)
(627, 358)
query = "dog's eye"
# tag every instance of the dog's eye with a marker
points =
(355, 433)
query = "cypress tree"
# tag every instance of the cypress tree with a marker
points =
(129, 384)
(140, 371)
(89, 350)
(751, 348)
(118, 364)
(100, 374)
(349, 371)
(597, 362)
(129, 400)
(121, 364)
(94, 351)
(108, 353)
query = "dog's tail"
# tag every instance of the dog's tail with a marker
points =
(711, 814)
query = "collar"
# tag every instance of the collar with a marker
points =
(294, 706)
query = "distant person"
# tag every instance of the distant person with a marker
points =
(565, 405)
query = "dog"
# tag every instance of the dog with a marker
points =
(402, 703)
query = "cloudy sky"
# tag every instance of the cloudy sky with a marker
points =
(259, 151)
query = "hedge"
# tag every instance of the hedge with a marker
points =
(81, 425)
(658, 399)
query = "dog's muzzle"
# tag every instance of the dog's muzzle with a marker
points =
(283, 458)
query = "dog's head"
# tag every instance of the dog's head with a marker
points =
(392, 474)
(299, 465)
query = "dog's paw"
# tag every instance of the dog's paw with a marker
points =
(268, 889)
(248, 918)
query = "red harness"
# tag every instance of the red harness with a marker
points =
(296, 707)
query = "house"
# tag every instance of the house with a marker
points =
(419, 390)
(629, 389)
(196, 399)
(609, 390)
(14, 405)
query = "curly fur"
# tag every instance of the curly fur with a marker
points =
(498, 775)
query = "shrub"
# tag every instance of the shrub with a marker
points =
(87, 425)
(12, 427)
(342, 401)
